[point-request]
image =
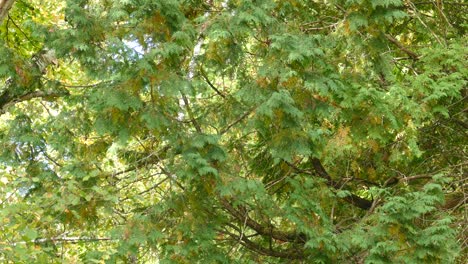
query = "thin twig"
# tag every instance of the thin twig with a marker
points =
(60, 240)
(226, 129)
(204, 75)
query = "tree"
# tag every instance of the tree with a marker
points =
(189, 131)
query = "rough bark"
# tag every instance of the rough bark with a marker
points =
(5, 6)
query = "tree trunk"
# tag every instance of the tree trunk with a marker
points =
(5, 6)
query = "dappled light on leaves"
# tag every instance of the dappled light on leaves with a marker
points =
(236, 131)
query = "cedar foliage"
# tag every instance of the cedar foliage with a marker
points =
(236, 131)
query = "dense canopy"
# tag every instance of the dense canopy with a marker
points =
(235, 131)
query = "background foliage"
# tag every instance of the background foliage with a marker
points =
(237, 131)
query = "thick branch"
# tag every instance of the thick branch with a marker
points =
(6, 99)
(358, 201)
(260, 229)
(352, 199)
(292, 253)
(401, 47)
(322, 172)
(5, 6)
(445, 3)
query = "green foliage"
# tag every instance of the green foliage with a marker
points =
(239, 131)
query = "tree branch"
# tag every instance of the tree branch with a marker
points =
(5, 6)
(205, 77)
(322, 173)
(239, 119)
(60, 240)
(293, 253)
(156, 185)
(352, 199)
(190, 113)
(317, 165)
(6, 99)
(445, 3)
(413, 55)
(260, 229)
